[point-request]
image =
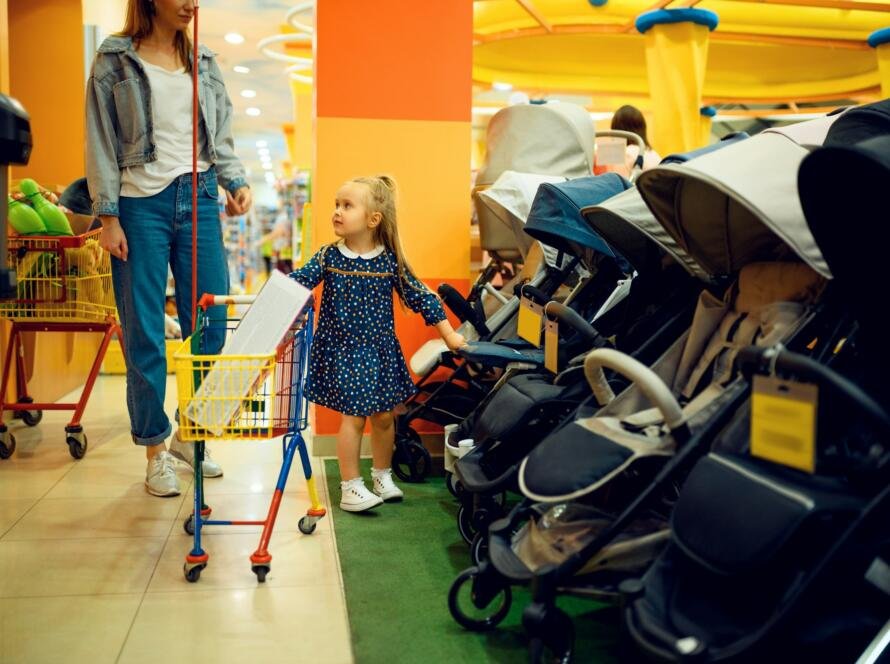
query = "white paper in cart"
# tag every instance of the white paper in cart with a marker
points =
(261, 330)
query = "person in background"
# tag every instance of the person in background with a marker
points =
(139, 163)
(629, 118)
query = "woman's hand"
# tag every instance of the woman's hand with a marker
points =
(239, 203)
(454, 341)
(112, 239)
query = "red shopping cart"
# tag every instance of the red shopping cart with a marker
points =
(63, 285)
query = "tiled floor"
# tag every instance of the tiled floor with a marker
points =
(91, 566)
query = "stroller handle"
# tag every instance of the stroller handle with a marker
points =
(574, 320)
(658, 394)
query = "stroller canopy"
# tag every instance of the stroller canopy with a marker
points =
(628, 225)
(551, 139)
(555, 217)
(739, 205)
(510, 198)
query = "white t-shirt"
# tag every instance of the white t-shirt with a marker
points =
(171, 109)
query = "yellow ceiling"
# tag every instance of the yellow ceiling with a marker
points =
(768, 50)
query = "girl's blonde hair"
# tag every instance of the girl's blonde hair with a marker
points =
(139, 24)
(382, 199)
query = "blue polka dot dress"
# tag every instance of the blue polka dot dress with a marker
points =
(356, 366)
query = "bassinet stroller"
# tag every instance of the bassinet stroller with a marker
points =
(806, 578)
(732, 219)
(545, 139)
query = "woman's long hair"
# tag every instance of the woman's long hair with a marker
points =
(140, 24)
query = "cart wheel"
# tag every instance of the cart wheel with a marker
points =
(30, 417)
(411, 461)
(189, 525)
(306, 525)
(465, 524)
(486, 621)
(7, 445)
(261, 571)
(192, 574)
(479, 548)
(77, 444)
(455, 488)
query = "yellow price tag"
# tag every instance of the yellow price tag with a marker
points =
(529, 326)
(783, 422)
(551, 346)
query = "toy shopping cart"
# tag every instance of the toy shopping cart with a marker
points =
(250, 397)
(63, 285)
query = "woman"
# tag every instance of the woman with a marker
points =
(629, 118)
(139, 162)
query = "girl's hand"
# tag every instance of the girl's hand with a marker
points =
(455, 341)
(112, 239)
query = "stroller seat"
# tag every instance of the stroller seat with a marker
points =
(763, 308)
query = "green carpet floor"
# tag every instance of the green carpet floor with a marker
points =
(398, 563)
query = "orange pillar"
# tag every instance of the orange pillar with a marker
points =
(46, 64)
(393, 85)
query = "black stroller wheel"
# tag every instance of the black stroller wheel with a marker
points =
(540, 654)
(465, 524)
(479, 548)
(481, 598)
(455, 488)
(411, 461)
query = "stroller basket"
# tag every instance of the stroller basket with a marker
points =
(255, 397)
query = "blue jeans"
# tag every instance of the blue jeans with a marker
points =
(159, 232)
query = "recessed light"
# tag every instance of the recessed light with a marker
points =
(253, 111)
(262, 144)
(503, 87)
(250, 94)
(267, 167)
(241, 69)
(234, 38)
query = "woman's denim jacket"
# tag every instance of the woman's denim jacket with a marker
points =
(119, 121)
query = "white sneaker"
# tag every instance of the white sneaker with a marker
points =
(355, 496)
(185, 452)
(384, 486)
(160, 477)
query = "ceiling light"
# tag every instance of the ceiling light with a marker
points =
(502, 87)
(263, 151)
(250, 94)
(234, 38)
(241, 69)
(267, 166)
(261, 144)
(253, 111)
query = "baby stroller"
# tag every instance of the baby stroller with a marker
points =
(643, 317)
(617, 468)
(807, 577)
(483, 365)
(643, 314)
(545, 139)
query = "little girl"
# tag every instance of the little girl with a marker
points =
(356, 366)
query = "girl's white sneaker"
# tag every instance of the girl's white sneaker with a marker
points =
(355, 496)
(384, 486)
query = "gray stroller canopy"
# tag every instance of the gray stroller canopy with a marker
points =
(740, 204)
(547, 139)
(627, 224)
